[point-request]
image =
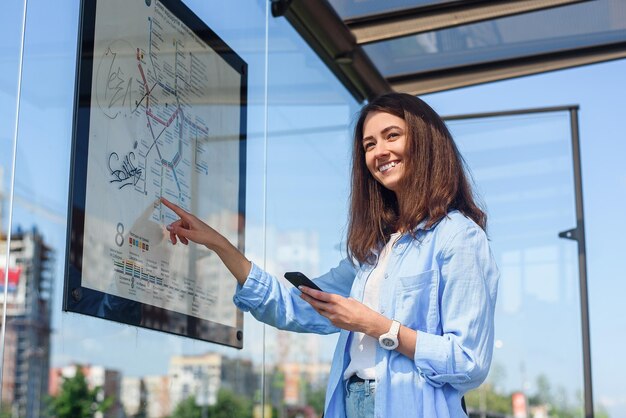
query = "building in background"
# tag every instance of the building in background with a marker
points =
(133, 396)
(147, 396)
(157, 396)
(301, 379)
(27, 344)
(203, 376)
(195, 376)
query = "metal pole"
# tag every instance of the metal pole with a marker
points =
(582, 264)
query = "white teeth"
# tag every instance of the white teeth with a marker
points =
(386, 167)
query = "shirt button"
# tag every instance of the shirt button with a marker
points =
(382, 310)
(386, 275)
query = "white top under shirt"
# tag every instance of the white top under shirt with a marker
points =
(363, 347)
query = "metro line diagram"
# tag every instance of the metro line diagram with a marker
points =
(177, 116)
(168, 145)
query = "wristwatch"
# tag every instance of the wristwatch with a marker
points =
(389, 341)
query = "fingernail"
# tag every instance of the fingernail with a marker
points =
(300, 288)
(168, 227)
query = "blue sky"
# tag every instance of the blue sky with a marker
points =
(306, 178)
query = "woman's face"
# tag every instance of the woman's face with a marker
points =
(384, 142)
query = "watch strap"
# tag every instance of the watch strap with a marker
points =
(395, 328)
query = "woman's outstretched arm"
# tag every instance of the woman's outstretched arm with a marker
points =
(258, 292)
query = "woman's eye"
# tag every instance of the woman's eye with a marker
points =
(393, 135)
(368, 145)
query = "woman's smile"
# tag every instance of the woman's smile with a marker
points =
(387, 166)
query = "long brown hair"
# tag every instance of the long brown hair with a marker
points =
(434, 180)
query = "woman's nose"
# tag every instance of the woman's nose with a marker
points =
(381, 150)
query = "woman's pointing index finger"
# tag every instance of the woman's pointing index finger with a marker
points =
(176, 209)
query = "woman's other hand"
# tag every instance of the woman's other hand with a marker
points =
(346, 313)
(352, 315)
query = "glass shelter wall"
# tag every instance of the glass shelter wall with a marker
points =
(140, 371)
(296, 204)
(308, 155)
(296, 199)
(522, 166)
(598, 90)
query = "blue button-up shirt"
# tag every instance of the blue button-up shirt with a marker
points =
(442, 283)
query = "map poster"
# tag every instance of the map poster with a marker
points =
(160, 111)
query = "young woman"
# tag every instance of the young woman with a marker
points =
(414, 302)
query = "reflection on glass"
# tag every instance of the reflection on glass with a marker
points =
(522, 166)
(307, 192)
(577, 26)
(134, 372)
(124, 370)
(28, 313)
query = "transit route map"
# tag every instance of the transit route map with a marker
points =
(165, 121)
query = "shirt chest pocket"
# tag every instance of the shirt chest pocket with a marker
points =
(417, 304)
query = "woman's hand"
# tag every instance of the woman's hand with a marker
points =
(351, 315)
(346, 313)
(190, 228)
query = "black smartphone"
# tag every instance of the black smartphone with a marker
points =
(298, 279)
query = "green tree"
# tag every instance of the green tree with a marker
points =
(187, 409)
(544, 392)
(315, 398)
(487, 397)
(228, 405)
(76, 400)
(5, 412)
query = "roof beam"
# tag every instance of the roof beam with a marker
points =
(386, 26)
(439, 80)
(321, 27)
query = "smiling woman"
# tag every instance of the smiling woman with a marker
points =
(414, 303)
(417, 172)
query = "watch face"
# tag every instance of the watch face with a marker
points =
(388, 342)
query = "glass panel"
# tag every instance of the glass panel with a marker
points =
(356, 8)
(11, 24)
(308, 163)
(139, 371)
(522, 166)
(581, 25)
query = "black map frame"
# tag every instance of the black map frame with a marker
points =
(84, 300)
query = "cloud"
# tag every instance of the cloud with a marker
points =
(91, 345)
(612, 401)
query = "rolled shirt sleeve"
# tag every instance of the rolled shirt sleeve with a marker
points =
(276, 304)
(468, 287)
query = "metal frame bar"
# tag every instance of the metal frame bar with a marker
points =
(321, 27)
(440, 80)
(582, 264)
(577, 234)
(516, 112)
(386, 26)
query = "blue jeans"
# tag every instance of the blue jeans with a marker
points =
(360, 399)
